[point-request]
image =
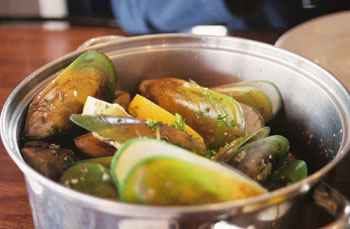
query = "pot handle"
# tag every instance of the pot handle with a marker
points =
(99, 40)
(322, 195)
(335, 203)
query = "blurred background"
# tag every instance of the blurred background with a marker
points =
(100, 13)
(75, 12)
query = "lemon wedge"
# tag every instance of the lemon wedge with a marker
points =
(143, 108)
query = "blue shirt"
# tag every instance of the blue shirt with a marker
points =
(156, 16)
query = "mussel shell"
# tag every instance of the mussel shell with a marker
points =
(90, 178)
(227, 152)
(104, 161)
(292, 172)
(164, 174)
(260, 158)
(218, 118)
(254, 120)
(123, 98)
(51, 160)
(263, 95)
(91, 147)
(249, 95)
(91, 74)
(116, 130)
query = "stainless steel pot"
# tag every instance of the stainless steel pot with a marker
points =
(315, 118)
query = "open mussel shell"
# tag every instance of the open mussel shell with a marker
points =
(260, 158)
(91, 74)
(292, 172)
(51, 160)
(270, 89)
(116, 130)
(122, 98)
(227, 152)
(263, 95)
(218, 118)
(165, 174)
(253, 119)
(91, 147)
(90, 178)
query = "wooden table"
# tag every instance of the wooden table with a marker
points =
(23, 49)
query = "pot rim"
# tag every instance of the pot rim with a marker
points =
(121, 208)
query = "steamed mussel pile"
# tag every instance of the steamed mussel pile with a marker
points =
(173, 143)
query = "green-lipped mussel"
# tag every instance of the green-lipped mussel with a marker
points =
(218, 118)
(152, 162)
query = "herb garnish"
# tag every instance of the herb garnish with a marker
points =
(233, 123)
(179, 122)
(106, 107)
(152, 124)
(208, 153)
(221, 118)
(199, 113)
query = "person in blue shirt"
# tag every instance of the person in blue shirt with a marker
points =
(159, 16)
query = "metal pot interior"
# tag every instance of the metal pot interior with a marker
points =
(310, 118)
(314, 116)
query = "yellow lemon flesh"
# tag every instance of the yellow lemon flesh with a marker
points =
(142, 108)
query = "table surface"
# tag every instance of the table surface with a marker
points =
(24, 48)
